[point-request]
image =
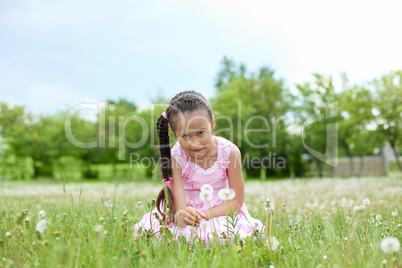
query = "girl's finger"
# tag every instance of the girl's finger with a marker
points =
(202, 215)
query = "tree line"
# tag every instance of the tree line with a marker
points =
(288, 130)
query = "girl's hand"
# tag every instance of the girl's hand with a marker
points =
(192, 216)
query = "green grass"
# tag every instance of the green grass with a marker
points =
(315, 231)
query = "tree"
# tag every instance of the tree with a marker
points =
(356, 104)
(388, 104)
(250, 110)
(315, 114)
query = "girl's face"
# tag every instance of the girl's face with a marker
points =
(194, 132)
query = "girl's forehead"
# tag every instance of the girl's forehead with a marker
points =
(191, 120)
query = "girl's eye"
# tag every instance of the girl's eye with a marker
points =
(185, 136)
(201, 132)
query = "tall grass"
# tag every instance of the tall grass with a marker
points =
(325, 225)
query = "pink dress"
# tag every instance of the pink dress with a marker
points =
(194, 177)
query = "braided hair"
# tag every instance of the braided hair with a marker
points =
(186, 101)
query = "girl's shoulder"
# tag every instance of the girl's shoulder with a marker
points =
(225, 147)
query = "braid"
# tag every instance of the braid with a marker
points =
(186, 101)
(162, 126)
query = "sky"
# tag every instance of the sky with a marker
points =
(57, 54)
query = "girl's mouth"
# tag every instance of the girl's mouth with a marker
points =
(197, 150)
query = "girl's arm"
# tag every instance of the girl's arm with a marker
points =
(236, 182)
(189, 215)
(179, 198)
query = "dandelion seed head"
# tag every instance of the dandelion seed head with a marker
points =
(207, 188)
(378, 217)
(272, 243)
(8, 234)
(366, 201)
(42, 214)
(394, 213)
(206, 196)
(204, 225)
(390, 245)
(41, 226)
(226, 194)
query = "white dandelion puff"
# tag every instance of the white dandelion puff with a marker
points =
(206, 196)
(8, 234)
(41, 226)
(273, 243)
(98, 229)
(378, 217)
(42, 214)
(366, 201)
(394, 213)
(109, 204)
(257, 225)
(204, 225)
(207, 188)
(226, 194)
(390, 245)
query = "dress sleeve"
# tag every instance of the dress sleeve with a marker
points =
(225, 148)
(178, 155)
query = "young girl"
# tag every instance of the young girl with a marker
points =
(196, 162)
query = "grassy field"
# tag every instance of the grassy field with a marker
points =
(325, 225)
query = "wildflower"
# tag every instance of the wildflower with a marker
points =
(394, 213)
(57, 232)
(143, 253)
(109, 204)
(273, 243)
(226, 194)
(269, 204)
(378, 217)
(41, 226)
(325, 257)
(207, 188)
(204, 225)
(27, 219)
(384, 261)
(284, 208)
(390, 245)
(366, 201)
(271, 266)
(98, 229)
(138, 205)
(356, 208)
(8, 234)
(125, 213)
(42, 213)
(206, 196)
(257, 225)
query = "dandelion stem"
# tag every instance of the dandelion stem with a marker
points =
(351, 239)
